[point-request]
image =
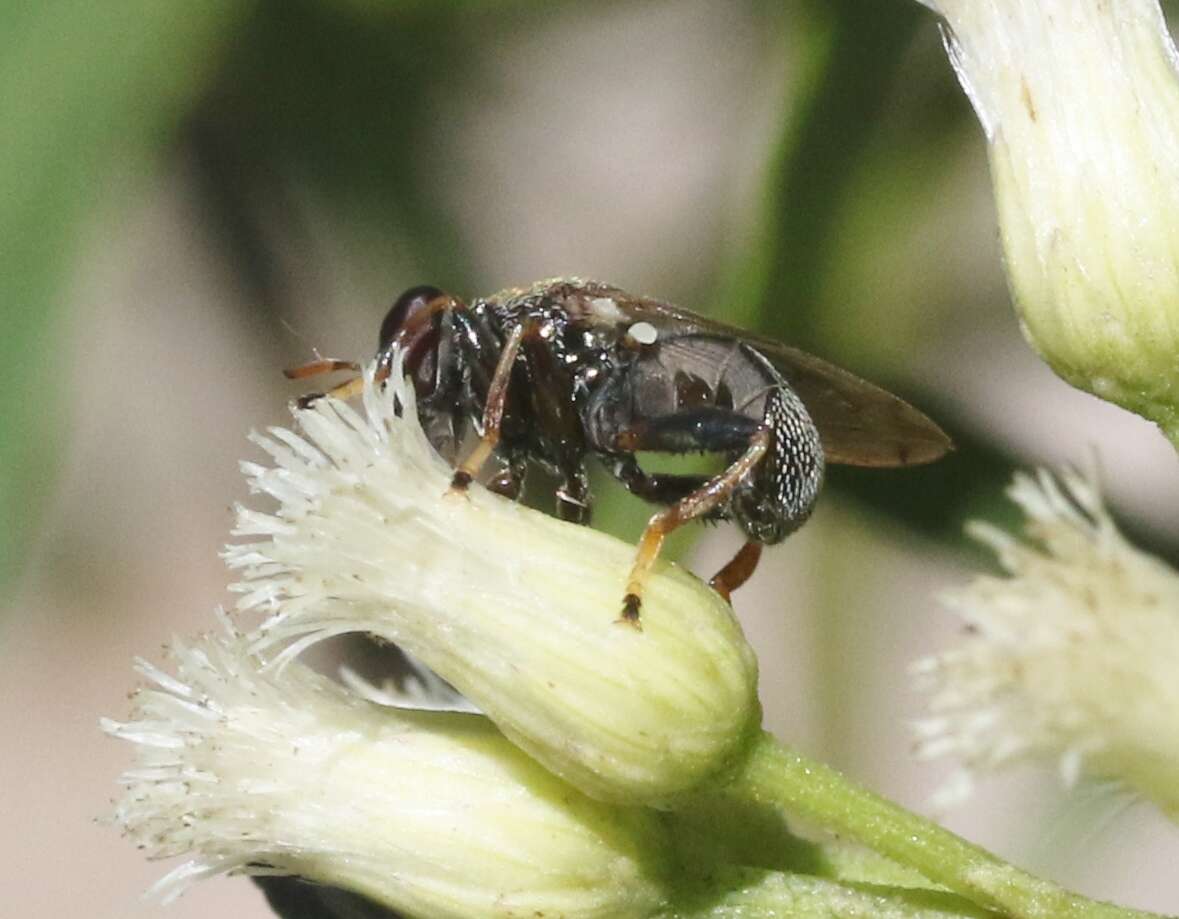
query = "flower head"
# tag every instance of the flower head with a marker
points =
(1080, 104)
(514, 608)
(1071, 655)
(255, 770)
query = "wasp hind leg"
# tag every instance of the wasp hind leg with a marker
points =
(739, 569)
(704, 500)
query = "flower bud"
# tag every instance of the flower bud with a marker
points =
(256, 770)
(519, 611)
(1080, 104)
(1071, 655)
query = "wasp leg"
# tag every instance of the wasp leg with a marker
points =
(573, 497)
(553, 407)
(509, 481)
(656, 487)
(698, 503)
(506, 484)
(321, 366)
(345, 390)
(493, 413)
(739, 569)
(317, 368)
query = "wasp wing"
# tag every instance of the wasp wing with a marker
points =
(859, 423)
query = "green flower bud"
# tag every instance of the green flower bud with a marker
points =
(1080, 105)
(255, 770)
(517, 610)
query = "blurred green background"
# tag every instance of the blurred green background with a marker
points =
(198, 195)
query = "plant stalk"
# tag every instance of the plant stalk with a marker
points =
(774, 775)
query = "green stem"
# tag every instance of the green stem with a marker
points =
(776, 776)
(753, 893)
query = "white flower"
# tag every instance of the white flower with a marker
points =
(249, 768)
(1072, 655)
(252, 769)
(517, 610)
(1080, 103)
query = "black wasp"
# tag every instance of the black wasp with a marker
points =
(549, 374)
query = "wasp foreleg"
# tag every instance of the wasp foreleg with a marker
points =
(345, 390)
(321, 366)
(509, 481)
(493, 413)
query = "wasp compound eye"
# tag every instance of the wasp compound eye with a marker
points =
(409, 305)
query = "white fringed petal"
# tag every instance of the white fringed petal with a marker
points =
(1070, 655)
(517, 610)
(1080, 103)
(249, 769)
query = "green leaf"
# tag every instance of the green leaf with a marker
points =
(84, 87)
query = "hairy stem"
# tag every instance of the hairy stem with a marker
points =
(777, 776)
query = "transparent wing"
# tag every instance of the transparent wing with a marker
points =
(859, 423)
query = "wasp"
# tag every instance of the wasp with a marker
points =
(551, 374)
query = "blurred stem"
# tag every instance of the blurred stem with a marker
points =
(341, 112)
(851, 53)
(744, 290)
(776, 775)
(85, 88)
(845, 67)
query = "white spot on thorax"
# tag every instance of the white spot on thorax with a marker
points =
(643, 332)
(607, 309)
